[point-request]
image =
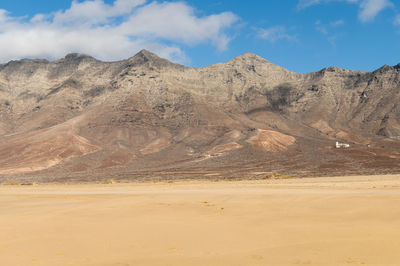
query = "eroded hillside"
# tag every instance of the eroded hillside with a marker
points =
(78, 118)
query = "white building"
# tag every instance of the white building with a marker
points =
(342, 145)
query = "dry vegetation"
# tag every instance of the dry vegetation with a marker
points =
(110, 182)
(11, 183)
(277, 176)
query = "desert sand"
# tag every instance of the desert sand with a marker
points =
(311, 221)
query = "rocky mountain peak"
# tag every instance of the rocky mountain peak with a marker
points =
(252, 63)
(248, 58)
(387, 68)
(23, 66)
(148, 59)
(77, 57)
(146, 55)
(25, 61)
(332, 70)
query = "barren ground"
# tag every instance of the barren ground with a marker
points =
(311, 221)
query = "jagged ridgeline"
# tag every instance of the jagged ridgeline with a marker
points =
(79, 118)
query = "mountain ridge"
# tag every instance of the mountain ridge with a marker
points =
(146, 117)
(144, 53)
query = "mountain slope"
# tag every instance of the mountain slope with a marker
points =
(78, 118)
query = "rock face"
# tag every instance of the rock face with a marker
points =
(78, 118)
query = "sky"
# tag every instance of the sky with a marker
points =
(300, 35)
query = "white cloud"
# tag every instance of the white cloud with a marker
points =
(177, 21)
(397, 20)
(112, 31)
(92, 12)
(321, 28)
(307, 3)
(330, 30)
(274, 34)
(3, 15)
(371, 8)
(326, 28)
(337, 23)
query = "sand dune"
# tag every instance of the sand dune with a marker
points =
(320, 221)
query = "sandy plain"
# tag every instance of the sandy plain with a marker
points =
(310, 221)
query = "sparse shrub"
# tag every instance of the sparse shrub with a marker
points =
(11, 183)
(277, 176)
(30, 184)
(110, 182)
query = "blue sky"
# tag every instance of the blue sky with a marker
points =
(300, 35)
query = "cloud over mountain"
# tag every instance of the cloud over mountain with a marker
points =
(113, 31)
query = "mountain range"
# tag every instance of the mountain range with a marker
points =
(81, 119)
